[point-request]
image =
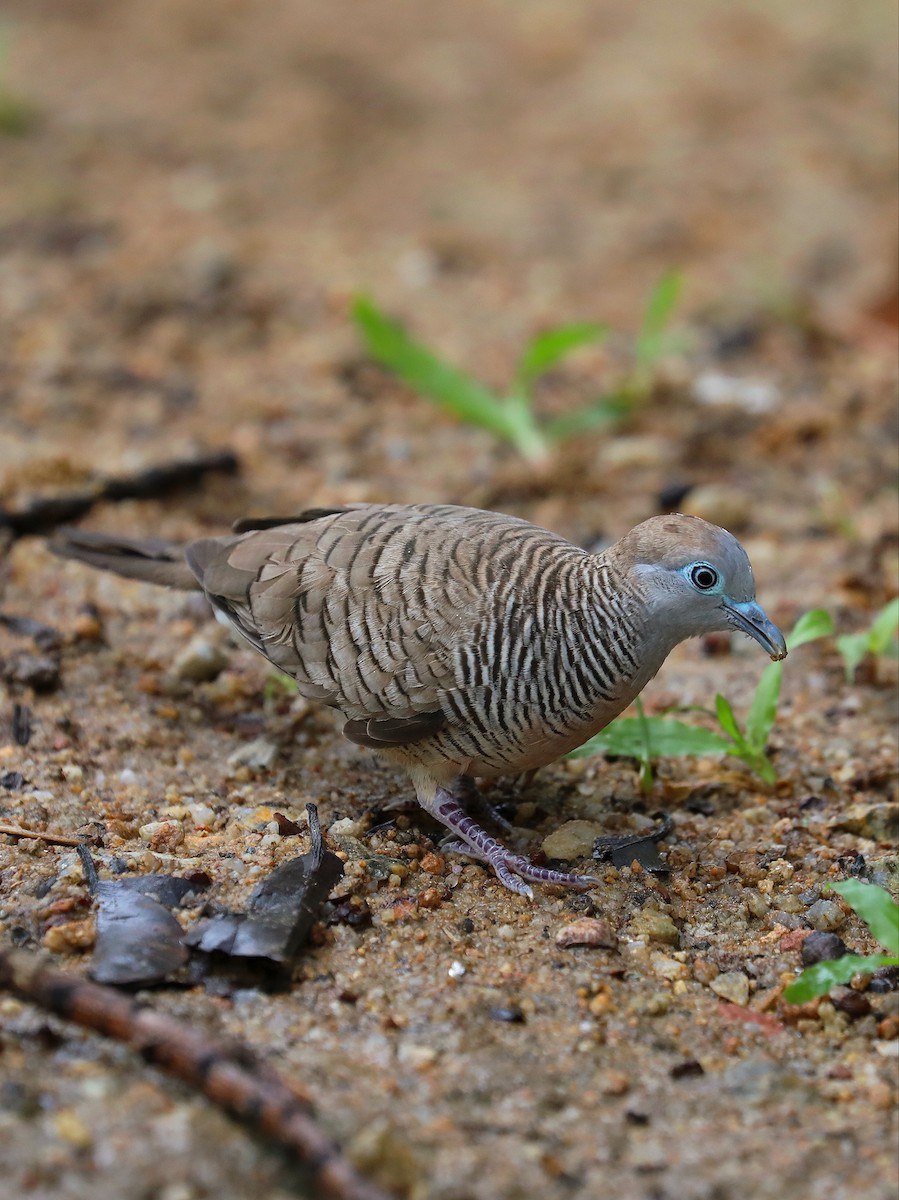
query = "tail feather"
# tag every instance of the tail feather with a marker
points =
(149, 560)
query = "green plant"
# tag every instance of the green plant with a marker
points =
(655, 338)
(749, 743)
(512, 417)
(880, 913)
(647, 738)
(879, 639)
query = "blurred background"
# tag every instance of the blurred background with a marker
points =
(190, 195)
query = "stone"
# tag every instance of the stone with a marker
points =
(732, 986)
(572, 840)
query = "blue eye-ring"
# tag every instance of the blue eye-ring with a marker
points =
(704, 576)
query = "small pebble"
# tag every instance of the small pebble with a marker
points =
(654, 926)
(70, 936)
(732, 986)
(821, 946)
(162, 835)
(686, 1069)
(202, 815)
(587, 931)
(825, 916)
(434, 864)
(258, 755)
(200, 661)
(572, 840)
(511, 1014)
(71, 1129)
(879, 822)
(88, 627)
(430, 898)
(612, 1083)
(758, 905)
(415, 1055)
(854, 1004)
(720, 390)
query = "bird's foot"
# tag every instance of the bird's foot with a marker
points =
(514, 871)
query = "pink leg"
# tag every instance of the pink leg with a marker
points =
(512, 870)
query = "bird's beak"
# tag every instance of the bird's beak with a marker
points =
(751, 618)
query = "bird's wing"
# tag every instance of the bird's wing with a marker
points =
(366, 608)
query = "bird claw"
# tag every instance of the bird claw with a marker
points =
(514, 871)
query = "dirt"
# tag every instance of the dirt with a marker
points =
(197, 193)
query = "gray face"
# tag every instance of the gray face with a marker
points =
(697, 579)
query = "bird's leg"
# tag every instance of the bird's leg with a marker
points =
(470, 796)
(512, 870)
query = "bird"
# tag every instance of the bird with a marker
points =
(457, 642)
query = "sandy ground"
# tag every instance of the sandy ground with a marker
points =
(200, 191)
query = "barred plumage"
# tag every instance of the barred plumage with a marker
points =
(455, 641)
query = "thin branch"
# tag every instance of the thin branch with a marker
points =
(229, 1074)
(54, 839)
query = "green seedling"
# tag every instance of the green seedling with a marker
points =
(655, 339)
(648, 738)
(879, 640)
(749, 742)
(880, 913)
(512, 417)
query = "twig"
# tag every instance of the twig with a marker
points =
(228, 1074)
(44, 515)
(54, 839)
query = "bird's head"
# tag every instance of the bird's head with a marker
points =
(695, 578)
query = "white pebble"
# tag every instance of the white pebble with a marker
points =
(715, 388)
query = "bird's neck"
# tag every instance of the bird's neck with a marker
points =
(614, 612)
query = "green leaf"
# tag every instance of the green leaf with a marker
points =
(551, 347)
(667, 738)
(727, 720)
(852, 647)
(884, 628)
(876, 907)
(651, 340)
(763, 711)
(454, 391)
(811, 625)
(823, 976)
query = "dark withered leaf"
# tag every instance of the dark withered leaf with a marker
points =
(281, 909)
(139, 942)
(622, 851)
(286, 827)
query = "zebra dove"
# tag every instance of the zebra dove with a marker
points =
(457, 642)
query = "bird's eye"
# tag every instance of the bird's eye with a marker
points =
(703, 576)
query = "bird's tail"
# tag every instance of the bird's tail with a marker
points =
(150, 560)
